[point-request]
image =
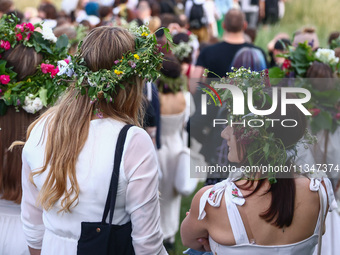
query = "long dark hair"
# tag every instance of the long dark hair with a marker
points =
(281, 210)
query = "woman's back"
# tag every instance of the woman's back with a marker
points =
(93, 170)
(234, 223)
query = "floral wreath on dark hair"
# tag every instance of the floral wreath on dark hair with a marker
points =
(36, 90)
(145, 62)
(262, 147)
(324, 105)
(184, 49)
(174, 85)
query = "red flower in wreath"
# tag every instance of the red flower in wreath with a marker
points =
(315, 112)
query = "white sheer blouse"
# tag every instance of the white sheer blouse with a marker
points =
(137, 196)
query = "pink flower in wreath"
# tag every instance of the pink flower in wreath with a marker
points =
(337, 116)
(5, 45)
(46, 68)
(234, 192)
(19, 37)
(4, 79)
(30, 26)
(211, 194)
(315, 112)
(20, 27)
(28, 37)
(54, 72)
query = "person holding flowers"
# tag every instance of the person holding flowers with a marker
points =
(69, 153)
(23, 93)
(259, 210)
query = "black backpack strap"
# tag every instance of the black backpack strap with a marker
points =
(111, 197)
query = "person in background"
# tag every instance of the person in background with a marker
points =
(280, 47)
(326, 150)
(217, 58)
(173, 156)
(48, 13)
(13, 126)
(251, 58)
(307, 34)
(201, 18)
(251, 10)
(269, 11)
(6, 6)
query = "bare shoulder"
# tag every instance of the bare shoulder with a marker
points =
(197, 198)
(303, 192)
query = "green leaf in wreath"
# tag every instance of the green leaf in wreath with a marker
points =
(62, 42)
(43, 96)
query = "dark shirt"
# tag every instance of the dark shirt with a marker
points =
(218, 57)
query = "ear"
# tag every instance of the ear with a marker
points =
(245, 25)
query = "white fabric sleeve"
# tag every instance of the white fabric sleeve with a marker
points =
(142, 200)
(31, 214)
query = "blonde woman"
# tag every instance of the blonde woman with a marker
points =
(68, 161)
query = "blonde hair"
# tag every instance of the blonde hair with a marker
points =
(68, 122)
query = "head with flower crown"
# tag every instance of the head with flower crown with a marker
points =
(28, 62)
(261, 139)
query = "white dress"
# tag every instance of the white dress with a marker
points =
(243, 246)
(137, 196)
(174, 160)
(315, 155)
(12, 239)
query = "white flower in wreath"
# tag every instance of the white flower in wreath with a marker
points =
(32, 105)
(326, 56)
(48, 34)
(182, 50)
(64, 68)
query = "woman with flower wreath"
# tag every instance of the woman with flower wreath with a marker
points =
(69, 154)
(21, 79)
(325, 123)
(173, 156)
(259, 211)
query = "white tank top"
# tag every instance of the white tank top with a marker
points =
(233, 197)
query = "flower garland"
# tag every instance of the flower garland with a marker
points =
(145, 62)
(262, 147)
(37, 90)
(175, 85)
(324, 105)
(184, 49)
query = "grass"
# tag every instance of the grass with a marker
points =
(323, 15)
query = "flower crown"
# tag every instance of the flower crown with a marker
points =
(262, 147)
(36, 90)
(325, 105)
(184, 49)
(174, 85)
(145, 62)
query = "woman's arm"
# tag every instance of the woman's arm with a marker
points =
(193, 229)
(31, 214)
(142, 201)
(34, 251)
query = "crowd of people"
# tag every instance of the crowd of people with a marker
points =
(72, 79)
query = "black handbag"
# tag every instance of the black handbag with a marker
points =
(101, 238)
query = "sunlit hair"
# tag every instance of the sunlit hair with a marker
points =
(69, 121)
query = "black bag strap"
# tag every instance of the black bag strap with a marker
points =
(111, 196)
